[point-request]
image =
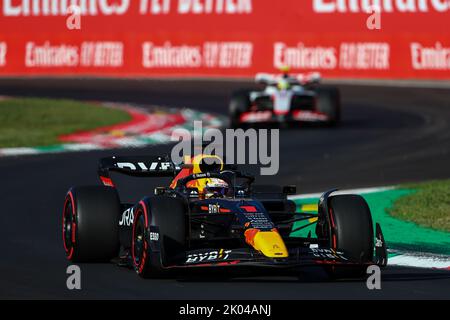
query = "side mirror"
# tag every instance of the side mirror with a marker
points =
(290, 190)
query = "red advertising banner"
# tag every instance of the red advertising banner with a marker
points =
(396, 39)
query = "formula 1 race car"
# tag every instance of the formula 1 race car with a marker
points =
(286, 99)
(212, 215)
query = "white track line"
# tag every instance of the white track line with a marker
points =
(419, 260)
(348, 191)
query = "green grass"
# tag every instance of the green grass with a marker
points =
(30, 122)
(428, 205)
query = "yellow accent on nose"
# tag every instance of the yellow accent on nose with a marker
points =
(270, 244)
(310, 207)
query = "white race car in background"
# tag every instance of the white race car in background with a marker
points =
(286, 98)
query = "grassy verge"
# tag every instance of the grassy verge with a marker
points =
(30, 122)
(428, 206)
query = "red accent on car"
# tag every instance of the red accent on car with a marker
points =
(74, 228)
(280, 113)
(228, 263)
(141, 210)
(249, 208)
(63, 225)
(212, 264)
(256, 116)
(69, 252)
(250, 236)
(107, 181)
(333, 227)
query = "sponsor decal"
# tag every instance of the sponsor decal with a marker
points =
(154, 236)
(209, 256)
(228, 54)
(47, 55)
(169, 56)
(259, 220)
(213, 208)
(88, 54)
(435, 57)
(209, 55)
(3, 51)
(102, 54)
(159, 166)
(327, 254)
(348, 56)
(364, 55)
(303, 57)
(127, 217)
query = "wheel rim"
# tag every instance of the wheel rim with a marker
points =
(138, 237)
(68, 225)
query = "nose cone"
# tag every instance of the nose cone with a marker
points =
(269, 243)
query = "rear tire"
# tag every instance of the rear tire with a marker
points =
(329, 103)
(351, 232)
(239, 103)
(90, 224)
(159, 235)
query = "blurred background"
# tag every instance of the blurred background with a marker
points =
(77, 78)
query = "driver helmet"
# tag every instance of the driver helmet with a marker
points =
(215, 188)
(283, 84)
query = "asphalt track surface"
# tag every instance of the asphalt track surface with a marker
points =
(388, 135)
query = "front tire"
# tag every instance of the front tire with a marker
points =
(90, 224)
(159, 235)
(351, 231)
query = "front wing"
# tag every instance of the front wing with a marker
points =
(247, 257)
(268, 116)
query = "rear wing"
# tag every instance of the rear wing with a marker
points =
(140, 166)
